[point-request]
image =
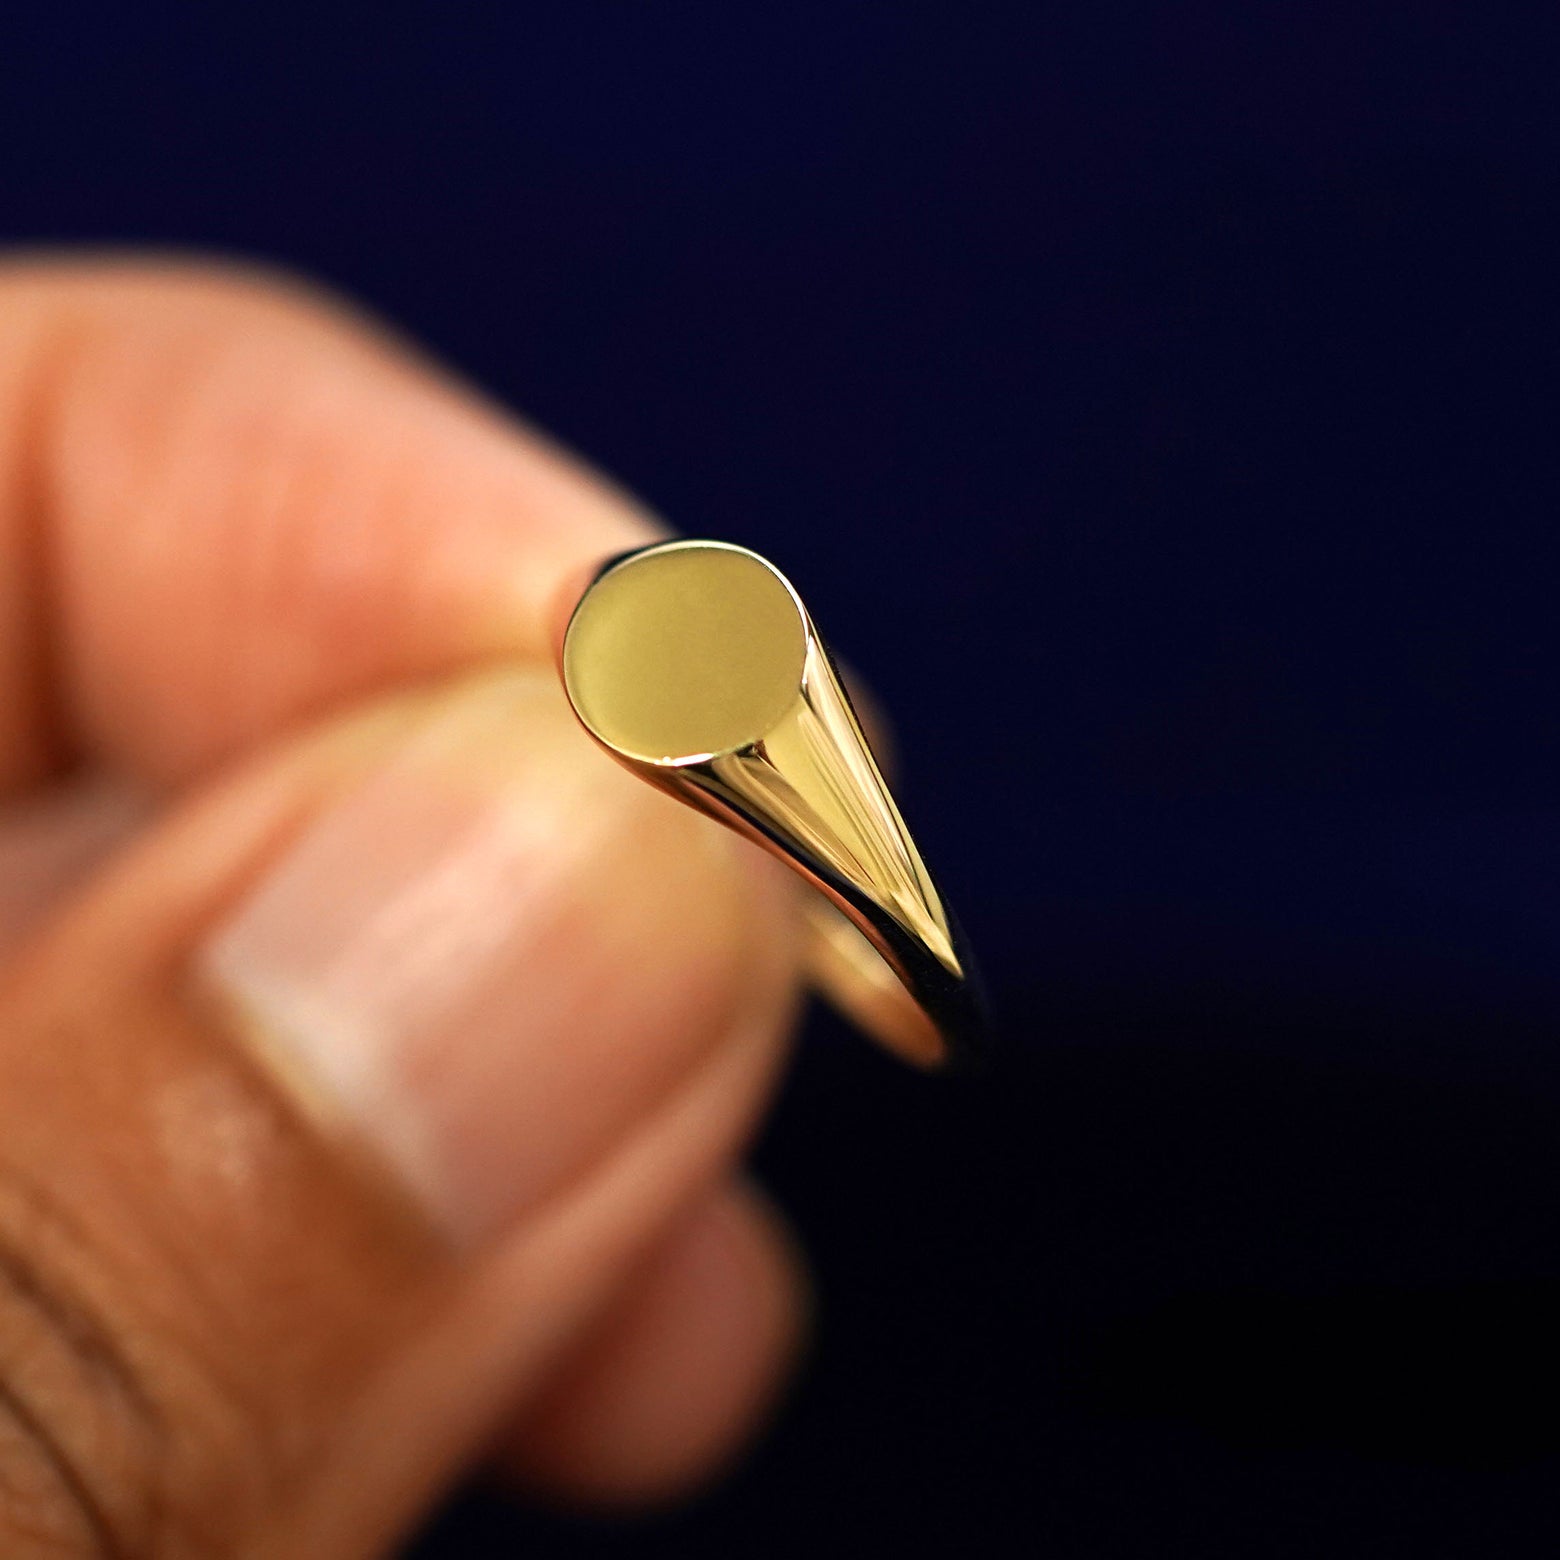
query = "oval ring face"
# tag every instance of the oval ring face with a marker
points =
(685, 651)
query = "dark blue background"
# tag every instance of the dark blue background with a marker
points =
(1159, 406)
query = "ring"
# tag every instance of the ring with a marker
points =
(695, 664)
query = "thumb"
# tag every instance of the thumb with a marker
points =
(338, 1107)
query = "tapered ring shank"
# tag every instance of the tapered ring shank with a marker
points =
(695, 664)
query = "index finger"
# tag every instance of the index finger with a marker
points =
(226, 504)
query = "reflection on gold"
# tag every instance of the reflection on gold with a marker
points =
(696, 664)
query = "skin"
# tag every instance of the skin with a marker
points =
(247, 542)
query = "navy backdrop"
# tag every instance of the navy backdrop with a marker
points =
(1159, 404)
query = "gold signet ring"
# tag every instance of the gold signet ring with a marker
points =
(696, 665)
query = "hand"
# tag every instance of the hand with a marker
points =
(374, 1053)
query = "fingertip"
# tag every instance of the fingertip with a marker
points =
(262, 506)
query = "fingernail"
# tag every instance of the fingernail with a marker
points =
(494, 953)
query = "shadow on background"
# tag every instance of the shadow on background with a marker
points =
(1159, 1286)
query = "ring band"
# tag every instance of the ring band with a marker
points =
(695, 664)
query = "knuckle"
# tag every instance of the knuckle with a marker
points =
(79, 1439)
(113, 1442)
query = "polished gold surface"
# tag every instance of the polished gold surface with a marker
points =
(689, 653)
(696, 664)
